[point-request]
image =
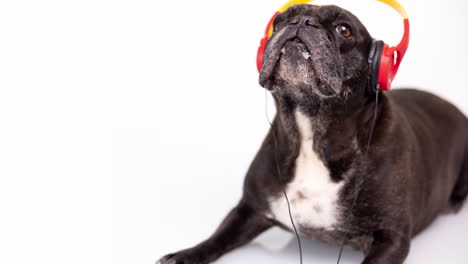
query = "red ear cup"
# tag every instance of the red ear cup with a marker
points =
(264, 41)
(390, 60)
(260, 52)
(387, 68)
(382, 69)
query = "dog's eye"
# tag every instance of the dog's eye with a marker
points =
(344, 31)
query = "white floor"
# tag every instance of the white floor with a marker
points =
(164, 202)
(444, 242)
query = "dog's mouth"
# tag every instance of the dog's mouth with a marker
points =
(283, 62)
(294, 60)
(294, 66)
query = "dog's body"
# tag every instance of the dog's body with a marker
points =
(373, 188)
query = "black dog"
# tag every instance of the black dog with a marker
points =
(373, 191)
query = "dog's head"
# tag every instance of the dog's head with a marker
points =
(316, 51)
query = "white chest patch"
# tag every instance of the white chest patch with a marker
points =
(312, 194)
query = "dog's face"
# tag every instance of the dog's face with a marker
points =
(316, 51)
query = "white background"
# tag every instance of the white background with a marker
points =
(126, 127)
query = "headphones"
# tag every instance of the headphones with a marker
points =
(384, 60)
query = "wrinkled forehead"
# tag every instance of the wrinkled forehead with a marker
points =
(325, 13)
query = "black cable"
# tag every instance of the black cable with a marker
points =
(280, 178)
(373, 121)
(282, 184)
(367, 152)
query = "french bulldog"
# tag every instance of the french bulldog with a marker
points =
(370, 169)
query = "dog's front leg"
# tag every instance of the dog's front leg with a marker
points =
(239, 227)
(388, 247)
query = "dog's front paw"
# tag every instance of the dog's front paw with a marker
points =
(169, 259)
(182, 257)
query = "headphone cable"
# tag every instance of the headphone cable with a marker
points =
(280, 179)
(282, 184)
(367, 156)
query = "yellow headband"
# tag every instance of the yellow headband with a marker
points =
(392, 3)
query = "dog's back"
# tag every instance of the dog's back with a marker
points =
(439, 153)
